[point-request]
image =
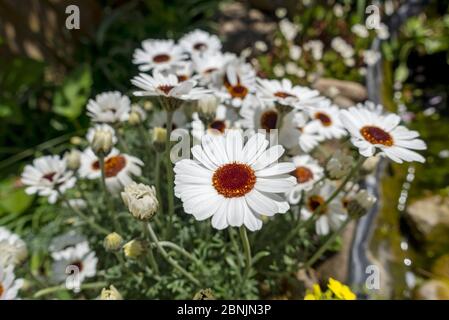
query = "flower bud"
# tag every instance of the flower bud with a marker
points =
(207, 106)
(73, 159)
(360, 204)
(133, 249)
(136, 116)
(102, 139)
(204, 294)
(159, 135)
(110, 294)
(148, 105)
(113, 242)
(76, 140)
(141, 200)
(339, 165)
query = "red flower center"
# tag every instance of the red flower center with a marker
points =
(1, 289)
(218, 125)
(283, 95)
(303, 174)
(165, 88)
(200, 46)
(161, 58)
(238, 91)
(182, 78)
(78, 264)
(112, 165)
(316, 201)
(209, 70)
(268, 120)
(376, 135)
(234, 180)
(324, 118)
(49, 176)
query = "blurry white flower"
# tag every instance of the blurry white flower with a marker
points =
(222, 119)
(278, 70)
(232, 182)
(372, 107)
(288, 29)
(207, 106)
(210, 67)
(110, 294)
(160, 120)
(158, 55)
(47, 176)
(382, 31)
(295, 132)
(330, 216)
(259, 115)
(261, 46)
(13, 249)
(140, 200)
(295, 52)
(307, 172)
(338, 10)
(73, 159)
(9, 285)
(291, 68)
(326, 120)
(79, 256)
(360, 30)
(101, 138)
(108, 107)
(280, 12)
(66, 240)
(360, 204)
(342, 47)
(199, 41)
(370, 131)
(339, 165)
(443, 154)
(315, 47)
(370, 57)
(119, 167)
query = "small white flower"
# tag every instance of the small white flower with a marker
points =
(295, 132)
(283, 92)
(372, 107)
(339, 10)
(78, 256)
(232, 182)
(339, 165)
(326, 120)
(158, 55)
(46, 176)
(279, 70)
(119, 167)
(295, 52)
(342, 47)
(199, 41)
(259, 115)
(167, 86)
(210, 67)
(13, 249)
(291, 68)
(66, 240)
(331, 216)
(281, 12)
(9, 285)
(110, 107)
(370, 131)
(307, 172)
(360, 31)
(223, 118)
(141, 200)
(370, 57)
(288, 29)
(261, 46)
(316, 48)
(382, 31)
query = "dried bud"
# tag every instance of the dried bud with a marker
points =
(133, 249)
(339, 165)
(73, 159)
(113, 242)
(141, 200)
(110, 294)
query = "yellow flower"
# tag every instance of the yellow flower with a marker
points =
(340, 290)
(315, 294)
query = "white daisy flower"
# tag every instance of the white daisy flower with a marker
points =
(232, 182)
(158, 55)
(100, 127)
(259, 115)
(316, 48)
(331, 216)
(370, 131)
(119, 167)
(13, 249)
(66, 240)
(199, 41)
(223, 120)
(210, 67)
(283, 92)
(239, 84)
(159, 119)
(360, 30)
(295, 132)
(307, 172)
(326, 120)
(370, 57)
(78, 256)
(46, 176)
(9, 285)
(183, 71)
(109, 107)
(167, 86)
(372, 107)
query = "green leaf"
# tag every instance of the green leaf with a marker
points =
(13, 200)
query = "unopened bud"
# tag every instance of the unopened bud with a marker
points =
(360, 204)
(159, 135)
(207, 106)
(103, 140)
(113, 242)
(339, 165)
(133, 249)
(73, 159)
(141, 200)
(110, 294)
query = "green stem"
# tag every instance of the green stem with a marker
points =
(172, 262)
(50, 290)
(170, 177)
(247, 250)
(157, 179)
(325, 245)
(151, 258)
(237, 251)
(182, 251)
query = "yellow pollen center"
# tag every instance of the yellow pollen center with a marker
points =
(234, 180)
(303, 174)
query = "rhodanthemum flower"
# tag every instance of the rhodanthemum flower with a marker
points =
(160, 119)
(210, 67)
(331, 216)
(47, 176)
(222, 120)
(13, 249)
(79, 258)
(239, 84)
(167, 86)
(259, 115)
(307, 172)
(110, 107)
(119, 168)
(199, 41)
(66, 240)
(295, 133)
(326, 121)
(9, 285)
(158, 55)
(370, 131)
(232, 182)
(284, 93)
(183, 71)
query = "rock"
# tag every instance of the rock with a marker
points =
(432, 290)
(350, 90)
(428, 219)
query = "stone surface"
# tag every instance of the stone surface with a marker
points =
(432, 290)
(352, 91)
